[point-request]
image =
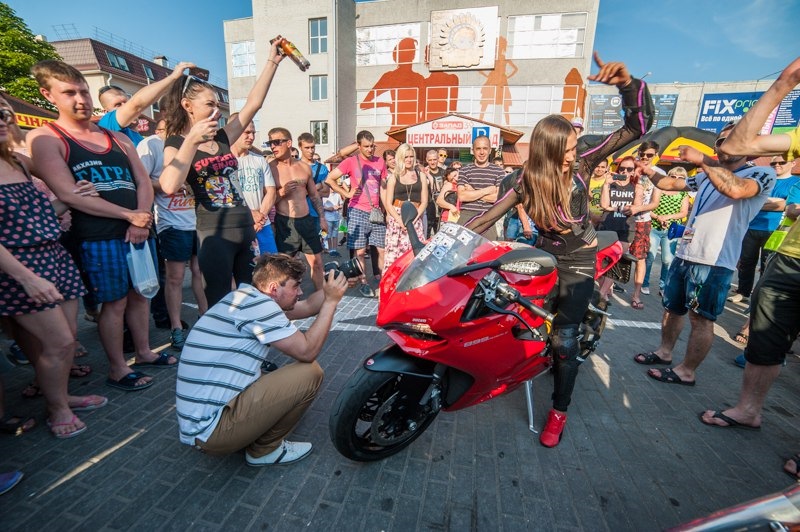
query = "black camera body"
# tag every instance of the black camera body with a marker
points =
(351, 268)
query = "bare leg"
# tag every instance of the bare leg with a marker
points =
(361, 261)
(173, 291)
(137, 314)
(699, 344)
(51, 329)
(756, 382)
(671, 327)
(197, 286)
(315, 263)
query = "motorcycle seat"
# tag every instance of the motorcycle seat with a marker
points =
(605, 239)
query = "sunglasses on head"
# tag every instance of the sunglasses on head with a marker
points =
(189, 79)
(6, 116)
(277, 142)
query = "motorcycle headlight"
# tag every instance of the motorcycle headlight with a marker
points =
(524, 267)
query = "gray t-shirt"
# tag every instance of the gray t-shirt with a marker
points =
(171, 210)
(717, 223)
(253, 175)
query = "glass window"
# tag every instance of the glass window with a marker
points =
(117, 61)
(149, 73)
(319, 88)
(546, 36)
(375, 44)
(319, 128)
(318, 35)
(243, 59)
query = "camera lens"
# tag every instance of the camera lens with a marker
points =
(351, 268)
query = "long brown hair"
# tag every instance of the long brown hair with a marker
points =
(546, 187)
(174, 114)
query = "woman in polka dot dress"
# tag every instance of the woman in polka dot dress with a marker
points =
(39, 286)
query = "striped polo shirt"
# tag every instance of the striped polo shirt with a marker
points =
(223, 355)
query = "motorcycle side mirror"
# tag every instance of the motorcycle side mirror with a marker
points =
(408, 213)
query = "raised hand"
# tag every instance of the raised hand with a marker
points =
(615, 73)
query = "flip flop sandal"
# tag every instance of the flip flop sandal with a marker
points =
(89, 402)
(648, 359)
(32, 391)
(638, 305)
(65, 435)
(78, 371)
(669, 376)
(128, 382)
(16, 425)
(162, 360)
(731, 423)
(796, 474)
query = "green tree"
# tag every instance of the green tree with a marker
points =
(19, 51)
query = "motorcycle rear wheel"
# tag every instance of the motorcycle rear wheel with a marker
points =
(377, 415)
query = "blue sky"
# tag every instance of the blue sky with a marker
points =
(676, 40)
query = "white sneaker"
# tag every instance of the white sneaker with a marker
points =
(646, 290)
(287, 452)
(738, 298)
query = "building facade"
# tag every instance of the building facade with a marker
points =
(103, 64)
(387, 65)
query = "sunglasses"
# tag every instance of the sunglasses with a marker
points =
(189, 79)
(277, 142)
(646, 155)
(626, 169)
(719, 142)
(777, 163)
(6, 116)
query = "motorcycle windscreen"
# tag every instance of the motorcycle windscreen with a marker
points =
(450, 248)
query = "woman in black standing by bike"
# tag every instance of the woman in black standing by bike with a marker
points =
(557, 200)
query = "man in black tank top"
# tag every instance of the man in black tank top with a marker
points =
(73, 148)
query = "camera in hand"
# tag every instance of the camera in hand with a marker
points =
(351, 268)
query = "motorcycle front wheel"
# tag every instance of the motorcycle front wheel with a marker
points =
(378, 414)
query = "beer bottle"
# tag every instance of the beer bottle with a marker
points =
(287, 47)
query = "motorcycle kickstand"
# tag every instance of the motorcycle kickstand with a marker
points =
(529, 401)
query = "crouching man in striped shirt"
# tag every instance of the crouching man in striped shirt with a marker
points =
(224, 403)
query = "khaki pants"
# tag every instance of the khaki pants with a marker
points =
(260, 417)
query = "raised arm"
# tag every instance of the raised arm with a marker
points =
(257, 95)
(745, 138)
(481, 223)
(178, 161)
(637, 105)
(725, 181)
(148, 95)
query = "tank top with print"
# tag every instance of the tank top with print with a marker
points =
(109, 170)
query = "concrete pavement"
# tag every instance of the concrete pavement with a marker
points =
(634, 455)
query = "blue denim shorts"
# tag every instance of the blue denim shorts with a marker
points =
(177, 245)
(697, 287)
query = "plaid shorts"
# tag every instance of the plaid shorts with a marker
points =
(106, 266)
(361, 232)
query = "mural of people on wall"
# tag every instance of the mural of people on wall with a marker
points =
(574, 102)
(401, 90)
(495, 91)
(441, 92)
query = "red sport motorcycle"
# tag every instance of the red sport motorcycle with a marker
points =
(469, 321)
